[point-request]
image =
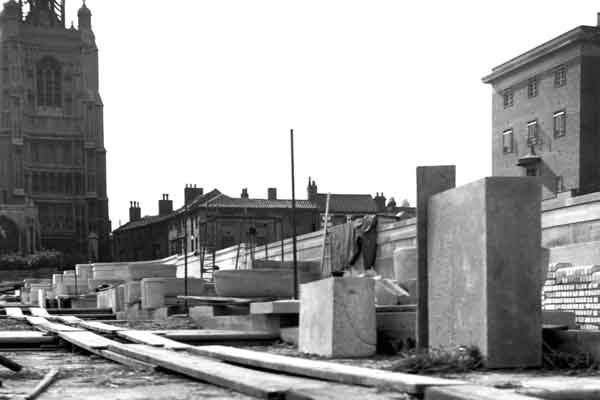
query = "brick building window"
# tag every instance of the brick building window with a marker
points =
(560, 123)
(508, 98)
(532, 88)
(507, 141)
(49, 83)
(560, 76)
(532, 133)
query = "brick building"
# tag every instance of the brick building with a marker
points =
(51, 128)
(346, 207)
(546, 118)
(144, 238)
(215, 220)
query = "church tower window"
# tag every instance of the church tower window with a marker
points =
(49, 83)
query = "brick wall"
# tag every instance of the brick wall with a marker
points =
(575, 289)
(560, 155)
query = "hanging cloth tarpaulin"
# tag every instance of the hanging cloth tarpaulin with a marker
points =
(365, 242)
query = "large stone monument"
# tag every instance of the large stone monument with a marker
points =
(484, 256)
(337, 318)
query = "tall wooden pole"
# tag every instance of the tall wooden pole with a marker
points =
(294, 219)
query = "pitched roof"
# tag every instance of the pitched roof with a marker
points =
(147, 220)
(201, 199)
(154, 219)
(223, 201)
(347, 203)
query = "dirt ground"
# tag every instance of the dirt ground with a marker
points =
(85, 376)
(90, 377)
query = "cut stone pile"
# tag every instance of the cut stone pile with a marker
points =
(575, 289)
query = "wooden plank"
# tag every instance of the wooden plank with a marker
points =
(39, 312)
(16, 338)
(100, 327)
(130, 362)
(36, 321)
(86, 340)
(69, 319)
(148, 338)
(244, 380)
(77, 311)
(472, 392)
(44, 324)
(208, 335)
(413, 384)
(14, 312)
(225, 300)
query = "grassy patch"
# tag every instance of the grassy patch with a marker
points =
(457, 360)
(571, 361)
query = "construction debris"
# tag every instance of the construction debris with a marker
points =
(43, 385)
(8, 363)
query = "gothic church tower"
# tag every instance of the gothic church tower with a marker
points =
(52, 151)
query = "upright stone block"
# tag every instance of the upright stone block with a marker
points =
(84, 271)
(430, 181)
(153, 293)
(484, 270)
(133, 292)
(337, 318)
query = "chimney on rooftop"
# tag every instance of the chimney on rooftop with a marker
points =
(244, 194)
(380, 202)
(272, 193)
(598, 15)
(191, 192)
(312, 190)
(135, 212)
(165, 206)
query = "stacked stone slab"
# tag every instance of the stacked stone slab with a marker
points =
(38, 292)
(575, 289)
(84, 271)
(68, 287)
(56, 279)
(158, 292)
(30, 290)
(133, 292)
(484, 258)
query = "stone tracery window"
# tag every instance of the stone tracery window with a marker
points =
(49, 83)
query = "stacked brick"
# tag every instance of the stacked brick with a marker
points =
(575, 289)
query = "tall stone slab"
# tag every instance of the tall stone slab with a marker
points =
(430, 180)
(337, 318)
(484, 270)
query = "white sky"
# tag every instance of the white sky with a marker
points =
(205, 92)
